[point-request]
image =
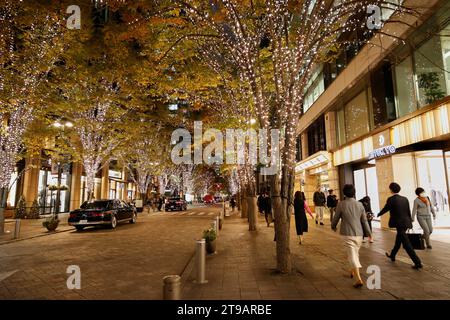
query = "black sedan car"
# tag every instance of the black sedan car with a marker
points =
(176, 204)
(102, 212)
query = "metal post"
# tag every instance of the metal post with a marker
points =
(58, 191)
(172, 286)
(200, 258)
(17, 229)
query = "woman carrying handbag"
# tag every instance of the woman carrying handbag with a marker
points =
(423, 209)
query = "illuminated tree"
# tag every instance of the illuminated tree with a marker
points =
(30, 42)
(274, 46)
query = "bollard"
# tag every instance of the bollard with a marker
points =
(17, 229)
(200, 257)
(171, 289)
(214, 225)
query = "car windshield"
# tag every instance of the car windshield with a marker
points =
(96, 205)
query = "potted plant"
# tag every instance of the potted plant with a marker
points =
(210, 238)
(51, 223)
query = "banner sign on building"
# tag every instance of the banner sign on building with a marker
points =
(381, 152)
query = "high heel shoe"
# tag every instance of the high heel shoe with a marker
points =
(358, 284)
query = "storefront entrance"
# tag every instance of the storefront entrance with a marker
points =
(431, 171)
(366, 184)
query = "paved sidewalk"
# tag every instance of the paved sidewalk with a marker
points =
(243, 266)
(126, 263)
(31, 228)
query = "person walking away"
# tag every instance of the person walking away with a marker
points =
(267, 207)
(300, 208)
(400, 219)
(368, 208)
(331, 203)
(354, 226)
(160, 203)
(423, 209)
(233, 204)
(319, 203)
(260, 203)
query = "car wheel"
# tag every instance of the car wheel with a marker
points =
(113, 224)
(79, 228)
(134, 218)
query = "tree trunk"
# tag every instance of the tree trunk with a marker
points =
(244, 205)
(238, 201)
(252, 213)
(281, 196)
(3, 199)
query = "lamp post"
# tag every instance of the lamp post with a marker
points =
(68, 124)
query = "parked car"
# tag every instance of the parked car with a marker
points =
(176, 204)
(102, 212)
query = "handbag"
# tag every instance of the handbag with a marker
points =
(417, 240)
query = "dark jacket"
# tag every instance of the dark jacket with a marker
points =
(319, 198)
(267, 204)
(400, 216)
(332, 201)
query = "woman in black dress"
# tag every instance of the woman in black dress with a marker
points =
(300, 208)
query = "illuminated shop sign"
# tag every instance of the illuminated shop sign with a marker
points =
(381, 152)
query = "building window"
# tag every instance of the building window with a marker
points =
(317, 136)
(314, 89)
(340, 126)
(298, 148)
(356, 117)
(383, 96)
(430, 71)
(406, 102)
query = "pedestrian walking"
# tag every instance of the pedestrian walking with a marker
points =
(233, 203)
(423, 209)
(267, 207)
(354, 226)
(331, 203)
(260, 203)
(400, 219)
(160, 203)
(319, 203)
(300, 209)
(368, 208)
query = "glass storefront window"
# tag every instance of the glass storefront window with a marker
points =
(366, 184)
(46, 197)
(431, 176)
(356, 117)
(406, 102)
(11, 202)
(430, 72)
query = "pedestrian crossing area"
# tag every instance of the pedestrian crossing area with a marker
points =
(184, 213)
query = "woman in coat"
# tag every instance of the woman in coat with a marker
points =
(353, 227)
(423, 208)
(300, 208)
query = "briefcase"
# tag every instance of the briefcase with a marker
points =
(417, 240)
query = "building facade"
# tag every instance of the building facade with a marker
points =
(36, 179)
(383, 115)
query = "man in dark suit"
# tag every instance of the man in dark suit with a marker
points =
(401, 220)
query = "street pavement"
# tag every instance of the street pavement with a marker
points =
(130, 262)
(126, 263)
(243, 267)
